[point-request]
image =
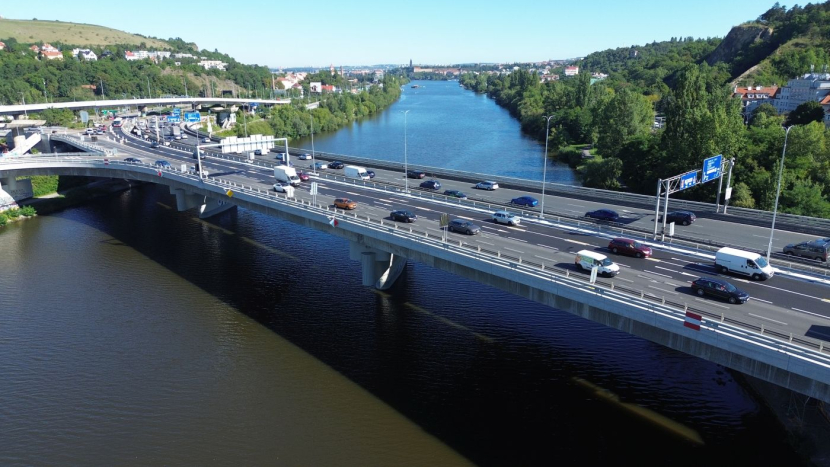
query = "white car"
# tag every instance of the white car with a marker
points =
(304, 157)
(504, 217)
(184, 136)
(319, 166)
(206, 140)
(281, 187)
(487, 185)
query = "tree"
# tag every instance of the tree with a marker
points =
(810, 111)
(624, 116)
(602, 173)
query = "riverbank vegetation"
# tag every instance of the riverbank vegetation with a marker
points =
(616, 117)
(14, 214)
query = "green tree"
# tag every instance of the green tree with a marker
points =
(810, 111)
(602, 173)
(624, 116)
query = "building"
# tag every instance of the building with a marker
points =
(130, 56)
(809, 87)
(2, 45)
(52, 54)
(183, 56)
(34, 48)
(571, 70)
(49, 48)
(87, 54)
(753, 96)
(155, 55)
(211, 64)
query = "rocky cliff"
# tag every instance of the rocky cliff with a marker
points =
(738, 39)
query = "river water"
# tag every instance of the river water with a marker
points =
(133, 334)
(449, 127)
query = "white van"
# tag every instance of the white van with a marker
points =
(742, 262)
(586, 260)
(354, 171)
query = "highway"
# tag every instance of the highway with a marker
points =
(789, 304)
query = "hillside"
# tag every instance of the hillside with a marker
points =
(33, 31)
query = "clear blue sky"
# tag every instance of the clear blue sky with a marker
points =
(280, 33)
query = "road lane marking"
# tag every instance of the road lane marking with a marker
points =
(623, 279)
(516, 239)
(653, 259)
(511, 249)
(759, 300)
(811, 313)
(768, 319)
(542, 257)
(548, 247)
(574, 241)
(666, 269)
(468, 218)
(662, 290)
(713, 304)
(659, 274)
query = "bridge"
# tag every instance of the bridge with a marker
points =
(115, 103)
(779, 336)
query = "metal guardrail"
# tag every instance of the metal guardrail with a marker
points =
(759, 334)
(80, 143)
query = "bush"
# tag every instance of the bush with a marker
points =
(13, 213)
(28, 211)
(3, 219)
(570, 155)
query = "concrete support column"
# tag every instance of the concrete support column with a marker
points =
(380, 269)
(17, 141)
(213, 207)
(186, 200)
(8, 184)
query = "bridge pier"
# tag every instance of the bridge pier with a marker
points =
(214, 206)
(207, 206)
(380, 269)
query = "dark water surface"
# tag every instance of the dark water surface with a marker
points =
(448, 127)
(133, 334)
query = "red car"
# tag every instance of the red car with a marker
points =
(627, 246)
(303, 176)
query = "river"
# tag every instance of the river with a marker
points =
(133, 334)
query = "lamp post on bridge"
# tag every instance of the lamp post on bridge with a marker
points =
(313, 163)
(405, 167)
(545, 163)
(778, 191)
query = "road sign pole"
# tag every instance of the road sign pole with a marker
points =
(665, 210)
(657, 207)
(720, 183)
(728, 188)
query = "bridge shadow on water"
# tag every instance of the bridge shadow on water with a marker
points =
(488, 373)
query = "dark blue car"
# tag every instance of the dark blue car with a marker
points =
(525, 201)
(603, 215)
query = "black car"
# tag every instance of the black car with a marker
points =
(431, 184)
(416, 174)
(455, 194)
(463, 226)
(198, 154)
(257, 152)
(403, 216)
(719, 288)
(681, 217)
(371, 173)
(603, 215)
(336, 165)
(133, 160)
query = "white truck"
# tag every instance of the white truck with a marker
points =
(354, 171)
(743, 262)
(286, 174)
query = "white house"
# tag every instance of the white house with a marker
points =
(571, 70)
(210, 64)
(87, 54)
(809, 87)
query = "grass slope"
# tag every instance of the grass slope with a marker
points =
(29, 31)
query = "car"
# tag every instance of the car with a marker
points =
(303, 176)
(154, 144)
(813, 250)
(504, 217)
(281, 187)
(206, 140)
(525, 201)
(184, 136)
(163, 164)
(318, 166)
(455, 194)
(403, 216)
(603, 215)
(416, 174)
(336, 165)
(627, 246)
(487, 185)
(463, 226)
(133, 160)
(166, 143)
(431, 184)
(303, 157)
(371, 173)
(178, 137)
(194, 169)
(257, 152)
(681, 217)
(719, 288)
(344, 203)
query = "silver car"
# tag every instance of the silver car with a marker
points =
(504, 217)
(467, 227)
(487, 185)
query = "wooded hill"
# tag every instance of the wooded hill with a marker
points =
(675, 79)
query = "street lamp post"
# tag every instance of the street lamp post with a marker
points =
(778, 192)
(23, 96)
(313, 164)
(405, 167)
(545, 164)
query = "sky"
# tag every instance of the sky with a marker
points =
(300, 33)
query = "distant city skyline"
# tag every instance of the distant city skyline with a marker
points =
(429, 32)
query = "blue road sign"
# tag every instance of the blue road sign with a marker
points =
(192, 117)
(174, 118)
(688, 180)
(177, 111)
(711, 168)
